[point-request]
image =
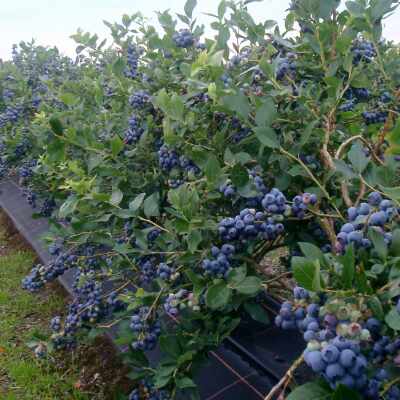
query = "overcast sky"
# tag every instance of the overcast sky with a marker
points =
(51, 22)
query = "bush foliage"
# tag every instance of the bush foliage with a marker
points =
(171, 165)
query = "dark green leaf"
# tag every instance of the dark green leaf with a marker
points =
(239, 175)
(310, 391)
(189, 7)
(218, 295)
(358, 158)
(267, 137)
(266, 113)
(249, 286)
(135, 204)
(151, 205)
(257, 312)
(379, 243)
(56, 126)
(393, 319)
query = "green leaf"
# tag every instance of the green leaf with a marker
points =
(355, 9)
(379, 243)
(312, 252)
(265, 114)
(267, 137)
(249, 286)
(358, 158)
(151, 205)
(344, 393)
(189, 7)
(116, 196)
(238, 103)
(56, 126)
(306, 273)
(395, 244)
(376, 306)
(218, 295)
(118, 67)
(135, 204)
(239, 176)
(194, 239)
(348, 261)
(69, 99)
(310, 391)
(257, 312)
(116, 145)
(236, 275)
(170, 345)
(212, 169)
(392, 192)
(393, 319)
(344, 169)
(185, 382)
(68, 207)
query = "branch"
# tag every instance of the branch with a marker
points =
(286, 378)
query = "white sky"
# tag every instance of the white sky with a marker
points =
(51, 22)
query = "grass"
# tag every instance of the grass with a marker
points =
(23, 318)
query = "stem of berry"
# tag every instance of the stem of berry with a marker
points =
(285, 379)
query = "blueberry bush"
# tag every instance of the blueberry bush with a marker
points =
(171, 165)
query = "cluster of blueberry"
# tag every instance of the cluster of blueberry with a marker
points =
(147, 391)
(42, 274)
(335, 342)
(30, 196)
(339, 361)
(274, 203)
(311, 161)
(170, 160)
(87, 306)
(26, 169)
(363, 50)
(354, 96)
(139, 99)
(47, 208)
(3, 167)
(153, 234)
(167, 158)
(133, 55)
(221, 262)
(249, 224)
(175, 302)
(148, 269)
(145, 328)
(188, 166)
(7, 95)
(166, 272)
(227, 189)
(286, 67)
(22, 147)
(11, 114)
(301, 204)
(239, 131)
(374, 117)
(134, 132)
(376, 214)
(184, 38)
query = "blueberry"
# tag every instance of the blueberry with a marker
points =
(315, 361)
(378, 218)
(374, 198)
(330, 354)
(347, 358)
(347, 228)
(334, 371)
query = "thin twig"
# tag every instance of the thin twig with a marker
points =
(286, 378)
